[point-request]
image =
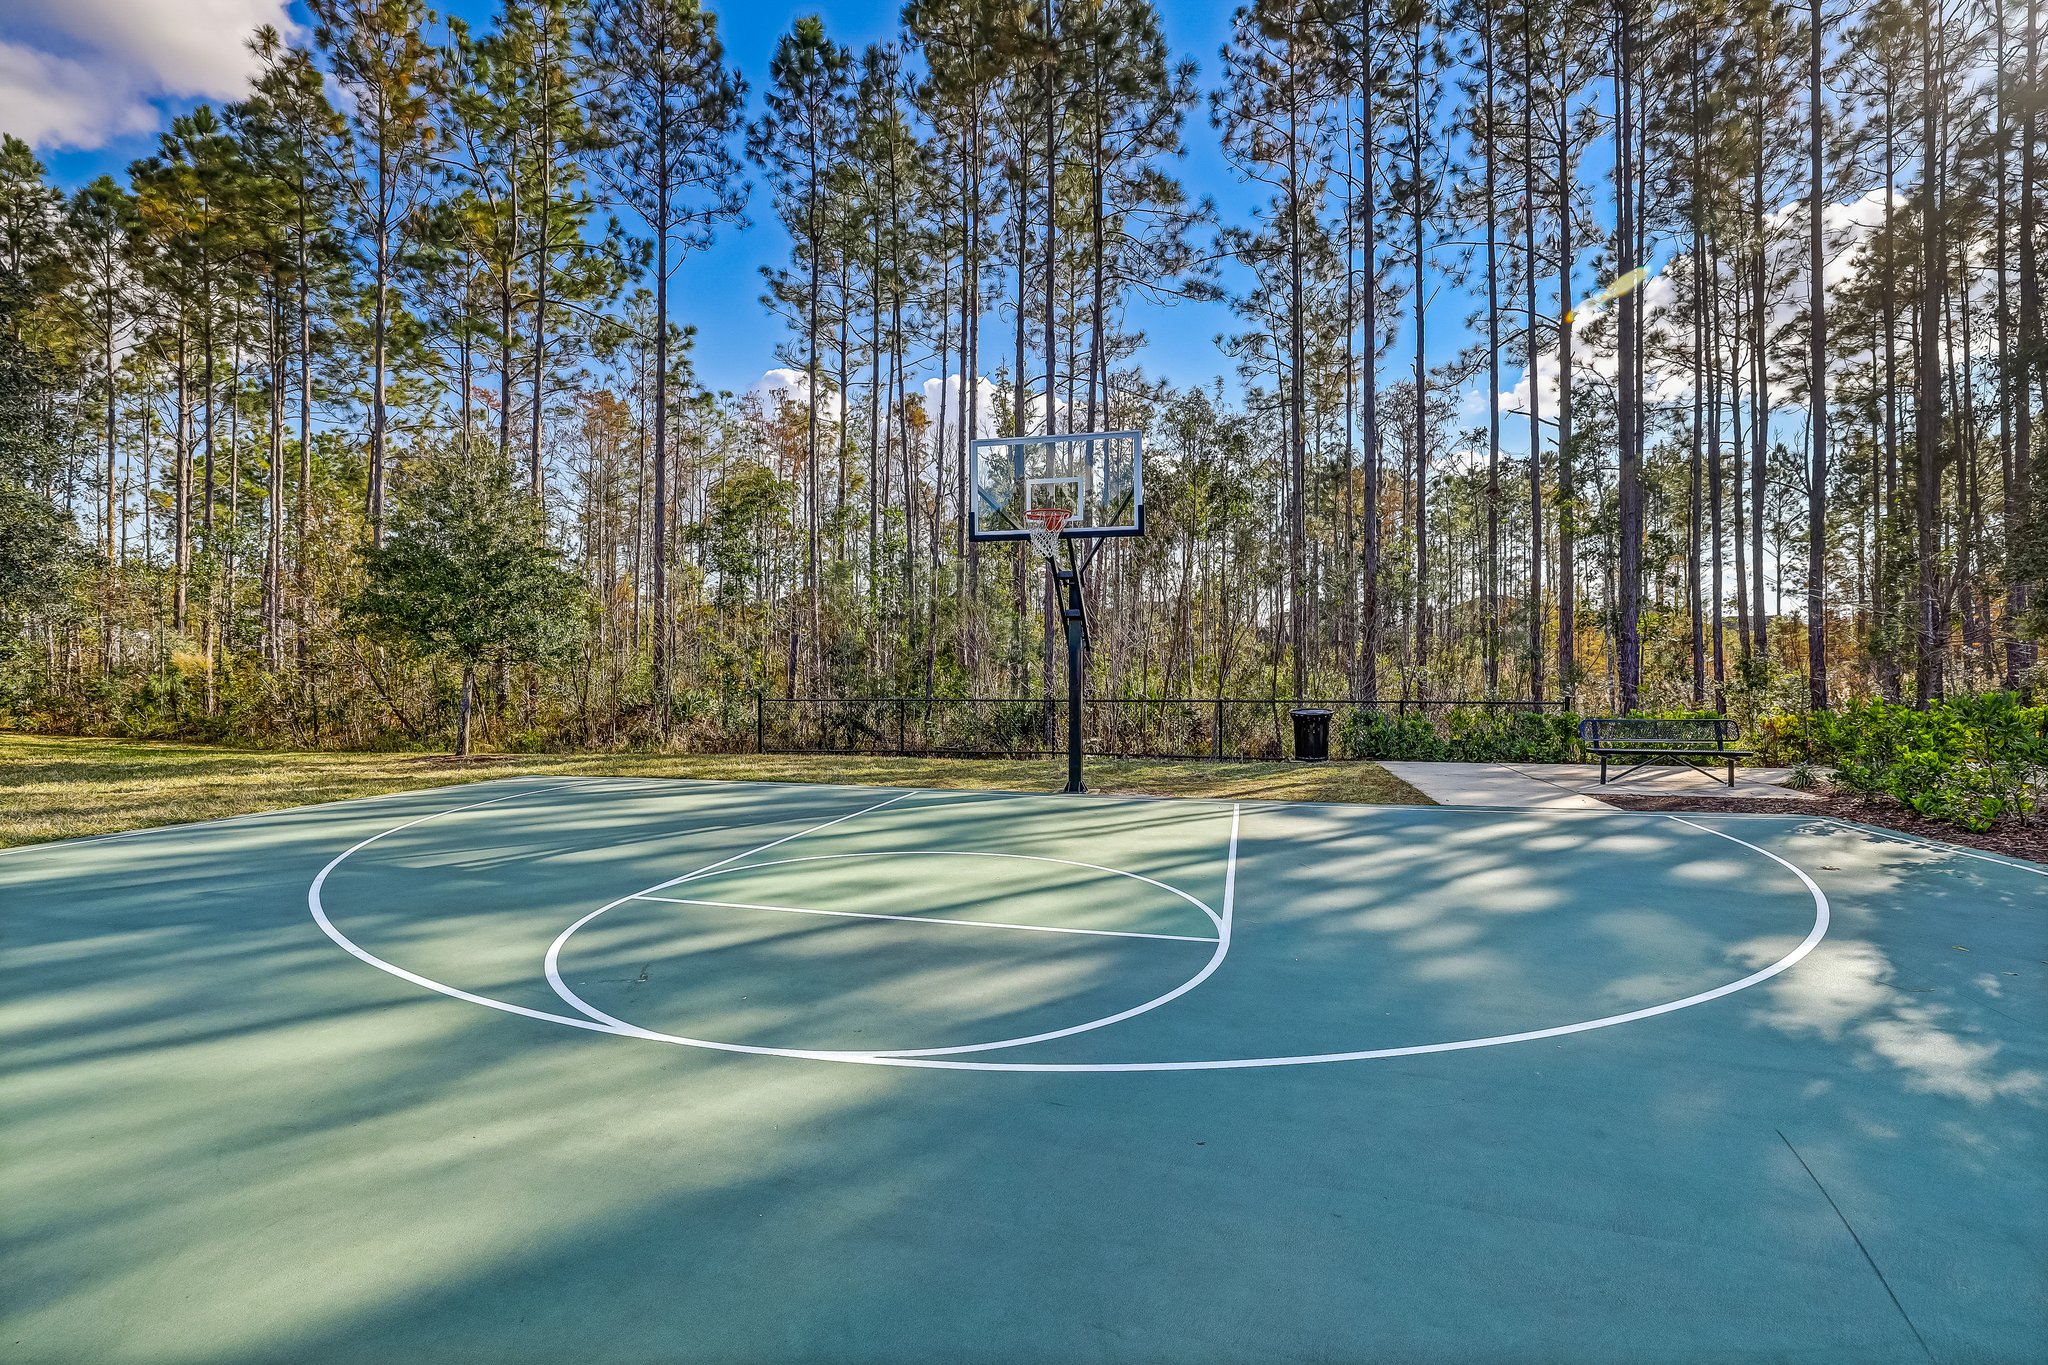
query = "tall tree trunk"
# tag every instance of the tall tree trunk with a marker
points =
(273, 518)
(206, 393)
(379, 331)
(543, 246)
(302, 559)
(1296, 531)
(1491, 624)
(1629, 651)
(1714, 481)
(1694, 513)
(1368, 398)
(2023, 530)
(815, 286)
(181, 511)
(464, 709)
(658, 549)
(1534, 347)
(1927, 413)
(1817, 384)
(1759, 416)
(1051, 106)
(1738, 520)
(1567, 488)
(1416, 134)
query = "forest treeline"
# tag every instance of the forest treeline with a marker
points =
(1773, 271)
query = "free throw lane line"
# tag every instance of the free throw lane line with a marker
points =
(925, 919)
(1193, 900)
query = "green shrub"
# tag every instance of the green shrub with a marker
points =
(1514, 737)
(1470, 736)
(1365, 732)
(1971, 761)
(1783, 740)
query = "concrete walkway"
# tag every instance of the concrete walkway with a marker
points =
(1576, 786)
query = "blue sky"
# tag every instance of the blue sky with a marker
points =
(130, 64)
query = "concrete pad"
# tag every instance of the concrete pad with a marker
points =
(1577, 786)
(1491, 784)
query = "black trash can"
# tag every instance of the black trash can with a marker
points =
(1311, 734)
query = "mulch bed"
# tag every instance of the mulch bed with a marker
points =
(2014, 839)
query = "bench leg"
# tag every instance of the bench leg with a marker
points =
(1731, 774)
(1603, 770)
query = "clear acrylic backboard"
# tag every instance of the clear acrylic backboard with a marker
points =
(1097, 477)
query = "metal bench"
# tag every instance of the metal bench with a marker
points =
(1700, 743)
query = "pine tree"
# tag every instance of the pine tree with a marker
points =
(1272, 111)
(664, 111)
(801, 141)
(382, 62)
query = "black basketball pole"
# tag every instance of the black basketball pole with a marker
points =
(1076, 640)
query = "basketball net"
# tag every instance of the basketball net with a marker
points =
(1045, 529)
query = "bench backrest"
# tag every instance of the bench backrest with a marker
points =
(1639, 732)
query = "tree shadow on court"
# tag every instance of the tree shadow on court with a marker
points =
(229, 1141)
(188, 1053)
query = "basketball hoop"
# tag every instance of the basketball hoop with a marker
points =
(1045, 528)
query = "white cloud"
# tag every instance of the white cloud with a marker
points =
(76, 73)
(51, 101)
(781, 385)
(984, 413)
(791, 386)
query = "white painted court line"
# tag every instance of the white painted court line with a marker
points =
(327, 926)
(1805, 946)
(1170, 890)
(905, 1056)
(925, 919)
(554, 953)
(935, 1059)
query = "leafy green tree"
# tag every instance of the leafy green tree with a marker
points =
(468, 571)
(38, 543)
(31, 229)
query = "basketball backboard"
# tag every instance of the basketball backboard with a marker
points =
(1098, 477)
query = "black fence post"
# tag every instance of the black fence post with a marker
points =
(759, 726)
(901, 706)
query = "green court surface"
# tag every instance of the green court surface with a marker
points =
(608, 1070)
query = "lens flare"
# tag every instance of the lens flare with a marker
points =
(1622, 284)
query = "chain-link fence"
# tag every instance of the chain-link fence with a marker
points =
(1112, 727)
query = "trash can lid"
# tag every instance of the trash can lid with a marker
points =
(1310, 711)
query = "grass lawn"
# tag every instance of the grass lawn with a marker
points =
(64, 788)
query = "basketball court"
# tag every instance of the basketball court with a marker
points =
(635, 1070)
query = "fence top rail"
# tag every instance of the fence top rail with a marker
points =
(1383, 702)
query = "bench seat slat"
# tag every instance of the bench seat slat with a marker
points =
(1695, 741)
(1705, 753)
